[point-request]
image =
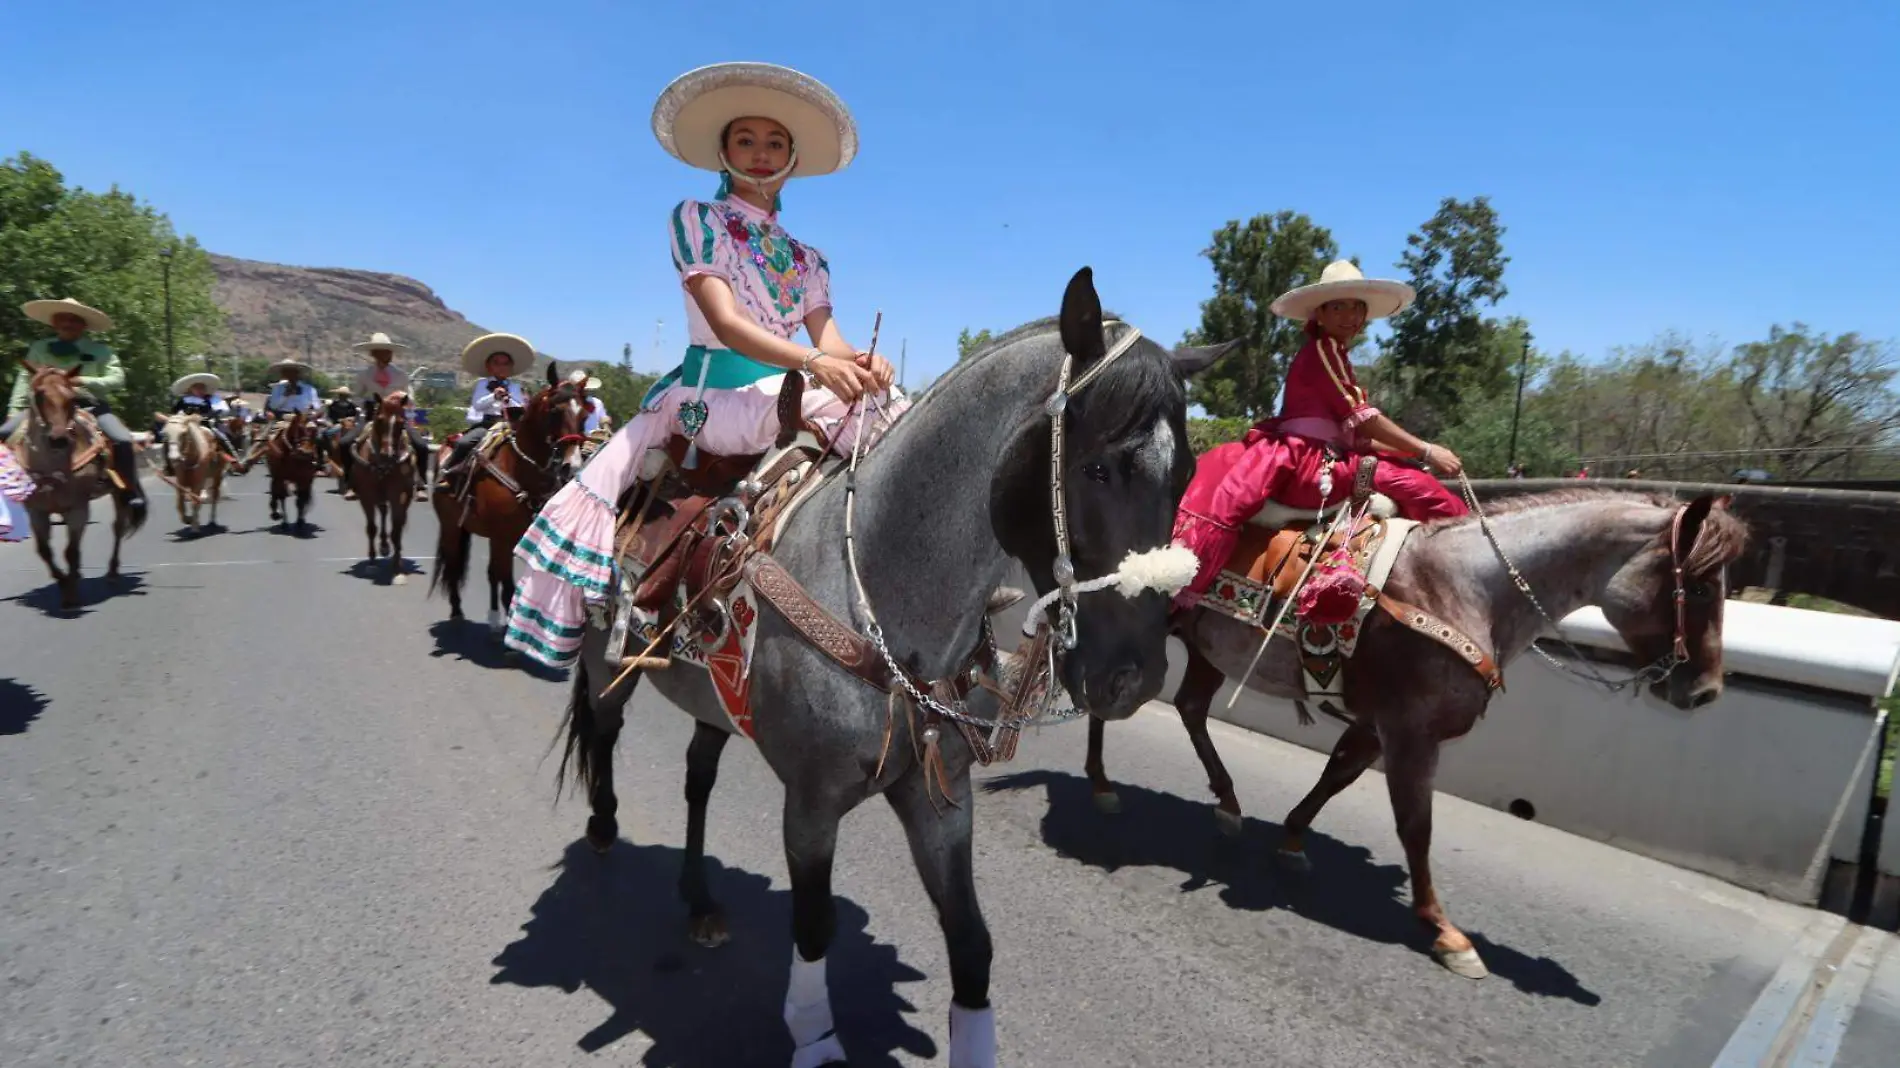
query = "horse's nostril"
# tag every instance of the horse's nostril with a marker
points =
(1705, 698)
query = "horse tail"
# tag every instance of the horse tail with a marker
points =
(451, 559)
(579, 724)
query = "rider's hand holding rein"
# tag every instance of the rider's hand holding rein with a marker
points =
(833, 364)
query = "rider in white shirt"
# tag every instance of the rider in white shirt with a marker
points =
(495, 357)
(374, 382)
(292, 393)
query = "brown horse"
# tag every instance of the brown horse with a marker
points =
(66, 453)
(496, 498)
(1656, 567)
(198, 470)
(290, 453)
(384, 478)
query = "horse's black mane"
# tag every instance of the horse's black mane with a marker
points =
(1128, 397)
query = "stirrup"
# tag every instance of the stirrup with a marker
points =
(1002, 598)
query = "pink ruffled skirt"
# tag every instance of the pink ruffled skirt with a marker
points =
(568, 549)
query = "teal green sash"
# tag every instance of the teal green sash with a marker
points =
(728, 370)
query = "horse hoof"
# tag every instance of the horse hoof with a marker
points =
(709, 930)
(601, 832)
(1294, 860)
(400, 579)
(1230, 823)
(1108, 803)
(1465, 962)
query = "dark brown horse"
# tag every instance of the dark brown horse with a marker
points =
(496, 497)
(67, 455)
(384, 478)
(1655, 566)
(290, 453)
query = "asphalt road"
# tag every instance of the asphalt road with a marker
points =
(259, 808)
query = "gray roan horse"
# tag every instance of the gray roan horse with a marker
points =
(958, 487)
(1655, 567)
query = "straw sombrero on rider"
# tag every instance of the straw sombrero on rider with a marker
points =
(278, 367)
(1341, 280)
(180, 387)
(379, 340)
(475, 356)
(692, 114)
(44, 310)
(340, 391)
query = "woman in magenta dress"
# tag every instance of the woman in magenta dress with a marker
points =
(1326, 421)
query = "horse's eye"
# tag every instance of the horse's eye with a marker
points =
(1096, 472)
(1699, 591)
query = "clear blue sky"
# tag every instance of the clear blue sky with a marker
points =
(1706, 167)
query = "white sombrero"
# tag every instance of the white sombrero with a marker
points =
(379, 340)
(584, 380)
(44, 310)
(1342, 281)
(475, 356)
(278, 367)
(340, 391)
(179, 387)
(693, 112)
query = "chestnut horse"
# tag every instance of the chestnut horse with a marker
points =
(1655, 566)
(290, 453)
(384, 478)
(198, 471)
(498, 497)
(66, 453)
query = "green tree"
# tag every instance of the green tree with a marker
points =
(1822, 395)
(969, 344)
(1254, 262)
(1442, 349)
(103, 249)
(620, 390)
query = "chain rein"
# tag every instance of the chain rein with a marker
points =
(1654, 673)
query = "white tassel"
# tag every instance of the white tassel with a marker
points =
(1165, 571)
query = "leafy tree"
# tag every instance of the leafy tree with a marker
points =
(1254, 262)
(969, 344)
(1813, 392)
(103, 249)
(1441, 347)
(620, 389)
(1204, 434)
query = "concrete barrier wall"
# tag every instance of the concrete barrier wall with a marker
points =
(1760, 788)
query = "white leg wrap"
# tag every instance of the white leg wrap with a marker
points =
(808, 1015)
(495, 620)
(972, 1037)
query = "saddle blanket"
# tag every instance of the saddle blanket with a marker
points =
(1262, 574)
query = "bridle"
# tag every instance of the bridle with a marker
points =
(1040, 649)
(1655, 672)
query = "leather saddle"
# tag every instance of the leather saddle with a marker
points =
(1279, 541)
(671, 535)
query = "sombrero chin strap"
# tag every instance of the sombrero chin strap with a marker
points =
(731, 173)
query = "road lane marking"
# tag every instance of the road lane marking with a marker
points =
(1754, 1038)
(235, 563)
(1822, 1042)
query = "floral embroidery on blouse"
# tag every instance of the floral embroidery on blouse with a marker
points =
(777, 278)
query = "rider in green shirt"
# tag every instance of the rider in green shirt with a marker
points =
(101, 376)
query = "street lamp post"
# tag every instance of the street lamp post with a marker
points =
(165, 262)
(1523, 358)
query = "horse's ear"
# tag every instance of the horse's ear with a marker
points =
(1694, 514)
(1191, 360)
(31, 367)
(1081, 320)
(1722, 503)
(554, 378)
(73, 373)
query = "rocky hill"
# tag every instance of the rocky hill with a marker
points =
(317, 313)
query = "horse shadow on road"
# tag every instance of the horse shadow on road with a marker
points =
(94, 590)
(470, 640)
(379, 572)
(1346, 890)
(20, 705)
(613, 925)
